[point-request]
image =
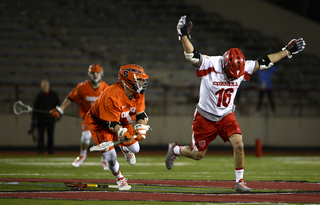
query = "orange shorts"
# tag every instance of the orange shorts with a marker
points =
(205, 131)
(101, 133)
(84, 125)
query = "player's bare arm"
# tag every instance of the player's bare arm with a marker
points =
(295, 46)
(66, 102)
(187, 45)
(184, 30)
(273, 58)
(143, 119)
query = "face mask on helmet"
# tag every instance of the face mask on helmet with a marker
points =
(95, 73)
(134, 77)
(233, 64)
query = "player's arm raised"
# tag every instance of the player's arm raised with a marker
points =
(184, 30)
(295, 46)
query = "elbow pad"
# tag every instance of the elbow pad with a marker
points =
(264, 63)
(193, 57)
(112, 125)
(142, 116)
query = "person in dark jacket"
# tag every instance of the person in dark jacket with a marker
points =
(45, 100)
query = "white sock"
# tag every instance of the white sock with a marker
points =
(83, 152)
(125, 149)
(119, 176)
(177, 150)
(239, 174)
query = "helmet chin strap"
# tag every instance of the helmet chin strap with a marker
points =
(124, 84)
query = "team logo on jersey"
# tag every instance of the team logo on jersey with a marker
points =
(225, 83)
(91, 98)
(202, 143)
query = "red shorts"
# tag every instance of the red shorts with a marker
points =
(205, 131)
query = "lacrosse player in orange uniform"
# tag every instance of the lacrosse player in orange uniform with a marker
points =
(112, 115)
(85, 94)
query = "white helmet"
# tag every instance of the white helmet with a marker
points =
(95, 68)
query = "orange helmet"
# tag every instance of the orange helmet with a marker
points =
(131, 74)
(95, 68)
(233, 64)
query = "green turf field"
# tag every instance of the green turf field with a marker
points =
(211, 167)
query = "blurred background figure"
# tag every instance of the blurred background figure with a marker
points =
(46, 100)
(84, 94)
(265, 85)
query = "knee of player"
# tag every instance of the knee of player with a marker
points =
(134, 148)
(239, 145)
(199, 155)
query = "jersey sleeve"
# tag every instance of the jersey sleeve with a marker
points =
(110, 110)
(208, 64)
(249, 67)
(141, 106)
(75, 94)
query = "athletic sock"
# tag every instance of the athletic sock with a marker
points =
(239, 173)
(125, 148)
(83, 152)
(177, 150)
(119, 175)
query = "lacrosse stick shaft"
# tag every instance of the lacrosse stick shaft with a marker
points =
(20, 108)
(48, 112)
(83, 186)
(102, 186)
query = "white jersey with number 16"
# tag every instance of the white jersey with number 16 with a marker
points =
(216, 93)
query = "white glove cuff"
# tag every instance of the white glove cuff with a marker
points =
(288, 55)
(59, 110)
(141, 126)
(122, 131)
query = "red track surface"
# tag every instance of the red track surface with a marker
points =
(312, 194)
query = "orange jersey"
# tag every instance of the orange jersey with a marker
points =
(85, 95)
(113, 105)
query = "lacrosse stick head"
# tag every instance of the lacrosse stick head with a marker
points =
(105, 146)
(75, 186)
(19, 108)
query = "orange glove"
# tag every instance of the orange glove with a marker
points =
(124, 136)
(56, 112)
(140, 131)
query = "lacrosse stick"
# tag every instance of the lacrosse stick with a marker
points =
(82, 186)
(104, 146)
(20, 108)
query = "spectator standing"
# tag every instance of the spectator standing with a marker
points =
(266, 88)
(45, 100)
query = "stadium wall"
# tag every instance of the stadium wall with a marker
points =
(268, 18)
(274, 132)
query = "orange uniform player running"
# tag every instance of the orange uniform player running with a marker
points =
(112, 115)
(85, 94)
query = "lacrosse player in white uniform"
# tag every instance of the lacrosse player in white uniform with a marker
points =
(214, 115)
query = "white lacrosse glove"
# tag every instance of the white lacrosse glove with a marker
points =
(124, 135)
(294, 46)
(140, 131)
(183, 28)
